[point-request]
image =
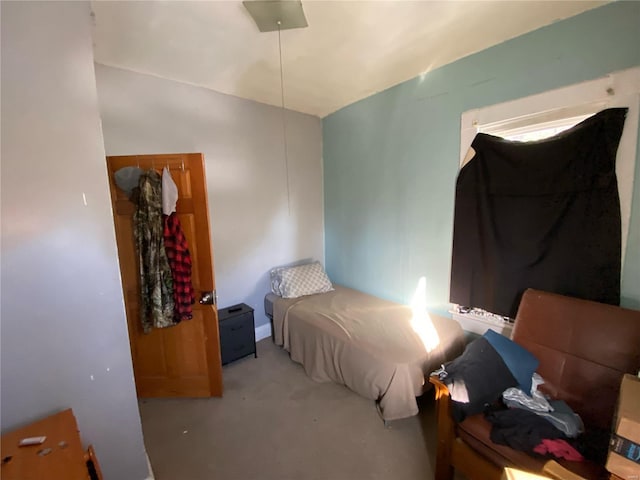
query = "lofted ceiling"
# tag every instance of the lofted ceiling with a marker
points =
(351, 49)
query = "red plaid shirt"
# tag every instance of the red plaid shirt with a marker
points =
(175, 244)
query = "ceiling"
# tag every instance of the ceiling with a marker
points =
(351, 49)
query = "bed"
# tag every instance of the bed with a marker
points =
(373, 346)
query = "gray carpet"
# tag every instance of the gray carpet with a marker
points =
(275, 423)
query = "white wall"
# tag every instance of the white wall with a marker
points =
(64, 336)
(252, 228)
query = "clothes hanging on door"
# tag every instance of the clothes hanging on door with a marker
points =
(156, 281)
(177, 248)
(542, 214)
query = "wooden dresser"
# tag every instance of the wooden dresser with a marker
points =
(60, 456)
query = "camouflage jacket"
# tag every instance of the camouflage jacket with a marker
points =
(156, 282)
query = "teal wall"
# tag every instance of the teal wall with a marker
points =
(391, 160)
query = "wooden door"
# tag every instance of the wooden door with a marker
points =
(183, 360)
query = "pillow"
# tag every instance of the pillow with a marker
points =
(276, 280)
(480, 375)
(519, 360)
(293, 282)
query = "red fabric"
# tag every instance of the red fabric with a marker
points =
(559, 448)
(175, 244)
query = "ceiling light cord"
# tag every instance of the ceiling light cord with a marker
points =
(284, 122)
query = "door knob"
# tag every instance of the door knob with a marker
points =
(207, 298)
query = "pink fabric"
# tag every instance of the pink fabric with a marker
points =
(559, 449)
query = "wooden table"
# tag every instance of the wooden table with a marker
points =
(66, 459)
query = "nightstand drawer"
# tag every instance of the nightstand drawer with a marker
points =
(237, 332)
(234, 333)
(233, 350)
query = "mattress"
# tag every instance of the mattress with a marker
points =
(377, 348)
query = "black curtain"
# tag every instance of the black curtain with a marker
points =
(543, 214)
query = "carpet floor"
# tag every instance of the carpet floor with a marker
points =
(275, 423)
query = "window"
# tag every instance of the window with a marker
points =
(548, 113)
(537, 131)
(544, 115)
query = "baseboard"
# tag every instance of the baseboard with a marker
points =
(150, 477)
(263, 331)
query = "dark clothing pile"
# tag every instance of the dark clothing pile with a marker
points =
(528, 432)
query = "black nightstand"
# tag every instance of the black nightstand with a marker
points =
(237, 332)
